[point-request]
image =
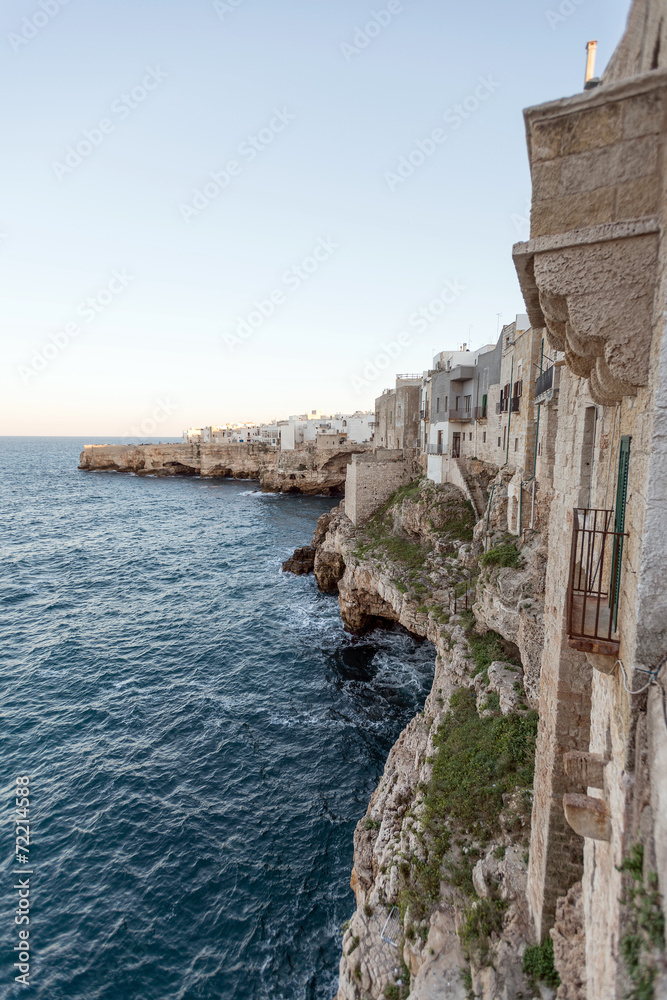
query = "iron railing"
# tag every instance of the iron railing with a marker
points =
(460, 600)
(435, 449)
(480, 413)
(460, 415)
(544, 381)
(594, 582)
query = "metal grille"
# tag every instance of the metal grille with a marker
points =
(545, 381)
(594, 581)
(393, 928)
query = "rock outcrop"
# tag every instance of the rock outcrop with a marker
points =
(301, 562)
(305, 470)
(440, 892)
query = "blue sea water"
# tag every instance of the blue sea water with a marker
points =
(200, 733)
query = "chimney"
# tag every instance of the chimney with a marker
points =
(591, 80)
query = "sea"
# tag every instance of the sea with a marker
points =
(197, 734)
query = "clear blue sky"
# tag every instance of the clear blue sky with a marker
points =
(317, 176)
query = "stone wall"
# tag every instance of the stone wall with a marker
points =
(371, 480)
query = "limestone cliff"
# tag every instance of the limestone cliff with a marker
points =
(307, 470)
(442, 850)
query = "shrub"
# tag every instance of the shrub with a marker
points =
(483, 918)
(538, 964)
(505, 554)
(645, 933)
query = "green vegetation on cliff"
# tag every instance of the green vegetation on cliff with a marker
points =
(538, 964)
(644, 937)
(504, 554)
(418, 519)
(477, 761)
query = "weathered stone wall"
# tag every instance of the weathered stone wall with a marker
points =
(644, 43)
(371, 480)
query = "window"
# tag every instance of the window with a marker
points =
(468, 403)
(446, 401)
(391, 417)
(516, 444)
(499, 442)
(470, 436)
(504, 437)
(437, 404)
(398, 412)
(483, 437)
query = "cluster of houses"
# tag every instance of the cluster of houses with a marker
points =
(480, 404)
(470, 404)
(315, 428)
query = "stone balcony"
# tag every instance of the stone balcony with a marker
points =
(588, 272)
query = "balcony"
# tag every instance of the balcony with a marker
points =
(545, 382)
(594, 583)
(480, 413)
(424, 414)
(460, 415)
(516, 403)
(435, 449)
(461, 373)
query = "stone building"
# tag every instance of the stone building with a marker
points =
(594, 279)
(397, 421)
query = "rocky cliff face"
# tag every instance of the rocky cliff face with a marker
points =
(440, 858)
(306, 471)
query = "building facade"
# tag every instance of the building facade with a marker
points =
(594, 279)
(397, 419)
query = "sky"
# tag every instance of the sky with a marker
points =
(228, 210)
